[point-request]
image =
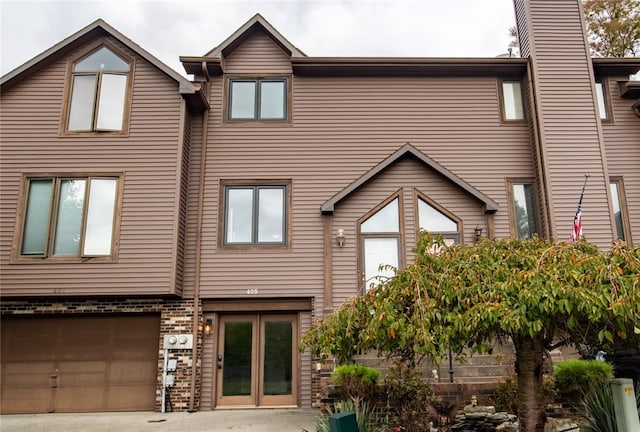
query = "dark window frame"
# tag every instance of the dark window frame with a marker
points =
(256, 119)
(501, 101)
(603, 83)
(456, 236)
(513, 227)
(624, 212)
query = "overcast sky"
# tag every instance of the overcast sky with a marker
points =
(169, 29)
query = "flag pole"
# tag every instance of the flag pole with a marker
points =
(576, 231)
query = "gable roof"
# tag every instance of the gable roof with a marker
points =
(408, 150)
(256, 23)
(96, 29)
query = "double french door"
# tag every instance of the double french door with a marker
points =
(256, 360)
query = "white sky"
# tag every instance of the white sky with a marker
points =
(169, 29)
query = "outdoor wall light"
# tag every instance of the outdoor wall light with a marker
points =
(478, 232)
(208, 326)
(340, 238)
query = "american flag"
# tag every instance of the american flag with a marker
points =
(576, 231)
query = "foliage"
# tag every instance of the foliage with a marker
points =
(409, 397)
(505, 393)
(582, 376)
(613, 27)
(535, 291)
(366, 417)
(599, 413)
(356, 382)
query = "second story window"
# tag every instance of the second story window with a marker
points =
(437, 222)
(524, 216)
(258, 99)
(511, 103)
(98, 97)
(601, 97)
(69, 217)
(255, 215)
(618, 203)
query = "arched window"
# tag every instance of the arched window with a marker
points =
(437, 222)
(98, 97)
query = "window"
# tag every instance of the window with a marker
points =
(437, 222)
(380, 235)
(98, 97)
(512, 108)
(619, 209)
(601, 96)
(255, 215)
(69, 217)
(252, 99)
(524, 217)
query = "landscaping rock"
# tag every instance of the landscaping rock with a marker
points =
(484, 419)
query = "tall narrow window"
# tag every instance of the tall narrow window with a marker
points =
(524, 217)
(619, 209)
(69, 217)
(257, 99)
(601, 96)
(436, 222)
(98, 93)
(512, 107)
(380, 244)
(255, 215)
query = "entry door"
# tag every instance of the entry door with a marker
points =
(256, 363)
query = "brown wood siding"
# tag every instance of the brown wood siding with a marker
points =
(568, 119)
(258, 54)
(30, 123)
(343, 127)
(622, 142)
(183, 203)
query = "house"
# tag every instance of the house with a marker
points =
(164, 242)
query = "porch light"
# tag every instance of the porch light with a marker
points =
(340, 238)
(208, 326)
(478, 233)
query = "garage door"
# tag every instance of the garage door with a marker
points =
(79, 364)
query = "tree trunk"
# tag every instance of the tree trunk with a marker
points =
(529, 358)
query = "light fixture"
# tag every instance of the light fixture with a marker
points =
(208, 326)
(340, 237)
(478, 232)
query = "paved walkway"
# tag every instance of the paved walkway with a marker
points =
(256, 420)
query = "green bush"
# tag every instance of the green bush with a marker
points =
(577, 377)
(410, 398)
(355, 382)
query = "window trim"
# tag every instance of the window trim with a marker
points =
(400, 235)
(606, 94)
(68, 92)
(510, 182)
(287, 78)
(503, 116)
(222, 219)
(624, 212)
(459, 235)
(48, 257)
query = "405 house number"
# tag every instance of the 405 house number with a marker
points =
(252, 291)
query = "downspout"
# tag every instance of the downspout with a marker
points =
(196, 288)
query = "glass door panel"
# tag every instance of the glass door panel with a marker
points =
(277, 360)
(236, 360)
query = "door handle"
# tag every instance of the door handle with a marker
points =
(219, 361)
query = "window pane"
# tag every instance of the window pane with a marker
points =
(525, 210)
(69, 221)
(617, 210)
(36, 224)
(278, 347)
(239, 215)
(272, 100)
(271, 215)
(602, 108)
(243, 100)
(238, 340)
(385, 220)
(100, 213)
(434, 221)
(379, 251)
(82, 103)
(512, 102)
(113, 89)
(101, 60)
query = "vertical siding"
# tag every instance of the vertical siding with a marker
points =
(568, 118)
(257, 55)
(29, 124)
(183, 204)
(622, 142)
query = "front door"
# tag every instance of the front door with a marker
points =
(257, 360)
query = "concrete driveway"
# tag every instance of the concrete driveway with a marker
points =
(255, 420)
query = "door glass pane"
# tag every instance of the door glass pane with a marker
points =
(82, 103)
(512, 101)
(433, 220)
(272, 102)
(239, 215)
(103, 59)
(100, 212)
(379, 251)
(271, 215)
(243, 100)
(113, 89)
(385, 220)
(36, 223)
(238, 337)
(69, 221)
(278, 348)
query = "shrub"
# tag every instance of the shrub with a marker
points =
(599, 413)
(366, 417)
(576, 377)
(410, 398)
(355, 382)
(505, 393)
